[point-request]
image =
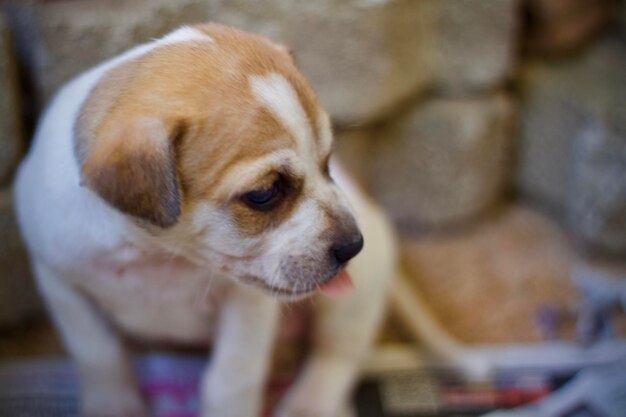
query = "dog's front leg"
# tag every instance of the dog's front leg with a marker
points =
(232, 385)
(107, 381)
(344, 333)
(345, 329)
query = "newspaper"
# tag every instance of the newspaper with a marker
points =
(546, 380)
(49, 388)
(599, 391)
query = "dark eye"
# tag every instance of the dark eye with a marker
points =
(263, 200)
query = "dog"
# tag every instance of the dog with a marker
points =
(181, 192)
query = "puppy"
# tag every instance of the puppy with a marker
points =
(180, 192)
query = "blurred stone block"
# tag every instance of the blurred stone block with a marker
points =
(366, 57)
(558, 27)
(573, 142)
(444, 161)
(597, 198)
(18, 297)
(11, 138)
(477, 44)
(489, 283)
(621, 19)
(76, 35)
(353, 147)
(363, 57)
(547, 129)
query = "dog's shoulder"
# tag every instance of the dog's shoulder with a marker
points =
(59, 217)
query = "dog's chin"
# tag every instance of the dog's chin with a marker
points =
(281, 293)
(286, 298)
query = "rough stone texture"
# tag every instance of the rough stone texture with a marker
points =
(621, 19)
(353, 147)
(547, 128)
(573, 141)
(364, 57)
(597, 199)
(11, 139)
(488, 284)
(477, 44)
(443, 162)
(558, 27)
(76, 35)
(18, 297)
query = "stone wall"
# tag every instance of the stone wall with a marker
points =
(441, 161)
(17, 295)
(446, 110)
(363, 57)
(573, 137)
(12, 142)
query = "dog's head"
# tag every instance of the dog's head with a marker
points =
(215, 144)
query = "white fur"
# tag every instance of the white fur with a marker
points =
(325, 132)
(280, 97)
(89, 258)
(244, 173)
(185, 34)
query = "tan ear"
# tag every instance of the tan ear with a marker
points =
(133, 168)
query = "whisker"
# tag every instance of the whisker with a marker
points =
(202, 297)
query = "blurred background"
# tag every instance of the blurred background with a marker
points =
(492, 131)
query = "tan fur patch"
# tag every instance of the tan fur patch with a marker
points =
(205, 87)
(137, 176)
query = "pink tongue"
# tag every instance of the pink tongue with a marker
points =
(340, 286)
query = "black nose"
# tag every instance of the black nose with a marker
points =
(343, 252)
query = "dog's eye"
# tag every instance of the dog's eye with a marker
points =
(263, 200)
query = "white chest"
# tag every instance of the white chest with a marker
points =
(160, 299)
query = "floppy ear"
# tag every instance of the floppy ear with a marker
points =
(133, 168)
